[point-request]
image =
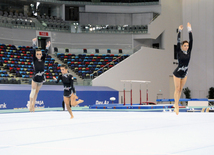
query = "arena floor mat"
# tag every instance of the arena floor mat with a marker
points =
(111, 108)
(129, 106)
(144, 108)
(106, 133)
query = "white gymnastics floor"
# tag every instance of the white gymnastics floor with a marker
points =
(107, 133)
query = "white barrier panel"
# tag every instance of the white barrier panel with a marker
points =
(197, 103)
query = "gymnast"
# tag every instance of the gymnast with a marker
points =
(180, 73)
(39, 77)
(69, 90)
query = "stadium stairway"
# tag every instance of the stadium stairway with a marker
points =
(79, 80)
(154, 29)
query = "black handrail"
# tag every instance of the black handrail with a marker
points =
(92, 75)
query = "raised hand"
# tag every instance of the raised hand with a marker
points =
(48, 44)
(34, 40)
(188, 25)
(180, 27)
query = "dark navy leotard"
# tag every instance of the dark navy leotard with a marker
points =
(183, 57)
(39, 66)
(68, 84)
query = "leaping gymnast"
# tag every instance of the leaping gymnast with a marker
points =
(39, 77)
(180, 73)
(69, 90)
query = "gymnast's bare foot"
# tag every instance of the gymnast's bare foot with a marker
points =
(72, 117)
(176, 109)
(80, 101)
(31, 108)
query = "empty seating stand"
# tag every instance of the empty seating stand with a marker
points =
(53, 23)
(16, 19)
(10, 81)
(86, 65)
(19, 62)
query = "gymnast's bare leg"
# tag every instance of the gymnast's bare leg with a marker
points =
(33, 96)
(36, 94)
(179, 83)
(73, 100)
(66, 100)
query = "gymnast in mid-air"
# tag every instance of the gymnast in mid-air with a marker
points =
(180, 73)
(69, 90)
(39, 76)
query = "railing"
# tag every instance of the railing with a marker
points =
(133, 29)
(71, 27)
(136, 29)
(136, 48)
(8, 24)
(154, 17)
(96, 72)
(98, 3)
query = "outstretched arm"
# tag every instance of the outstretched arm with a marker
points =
(189, 28)
(46, 50)
(57, 80)
(34, 47)
(180, 28)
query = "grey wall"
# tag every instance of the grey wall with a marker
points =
(68, 40)
(141, 18)
(102, 41)
(115, 18)
(17, 36)
(118, 15)
(201, 68)
(148, 42)
(123, 9)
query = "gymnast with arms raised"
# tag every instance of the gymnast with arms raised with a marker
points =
(69, 90)
(180, 73)
(39, 77)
